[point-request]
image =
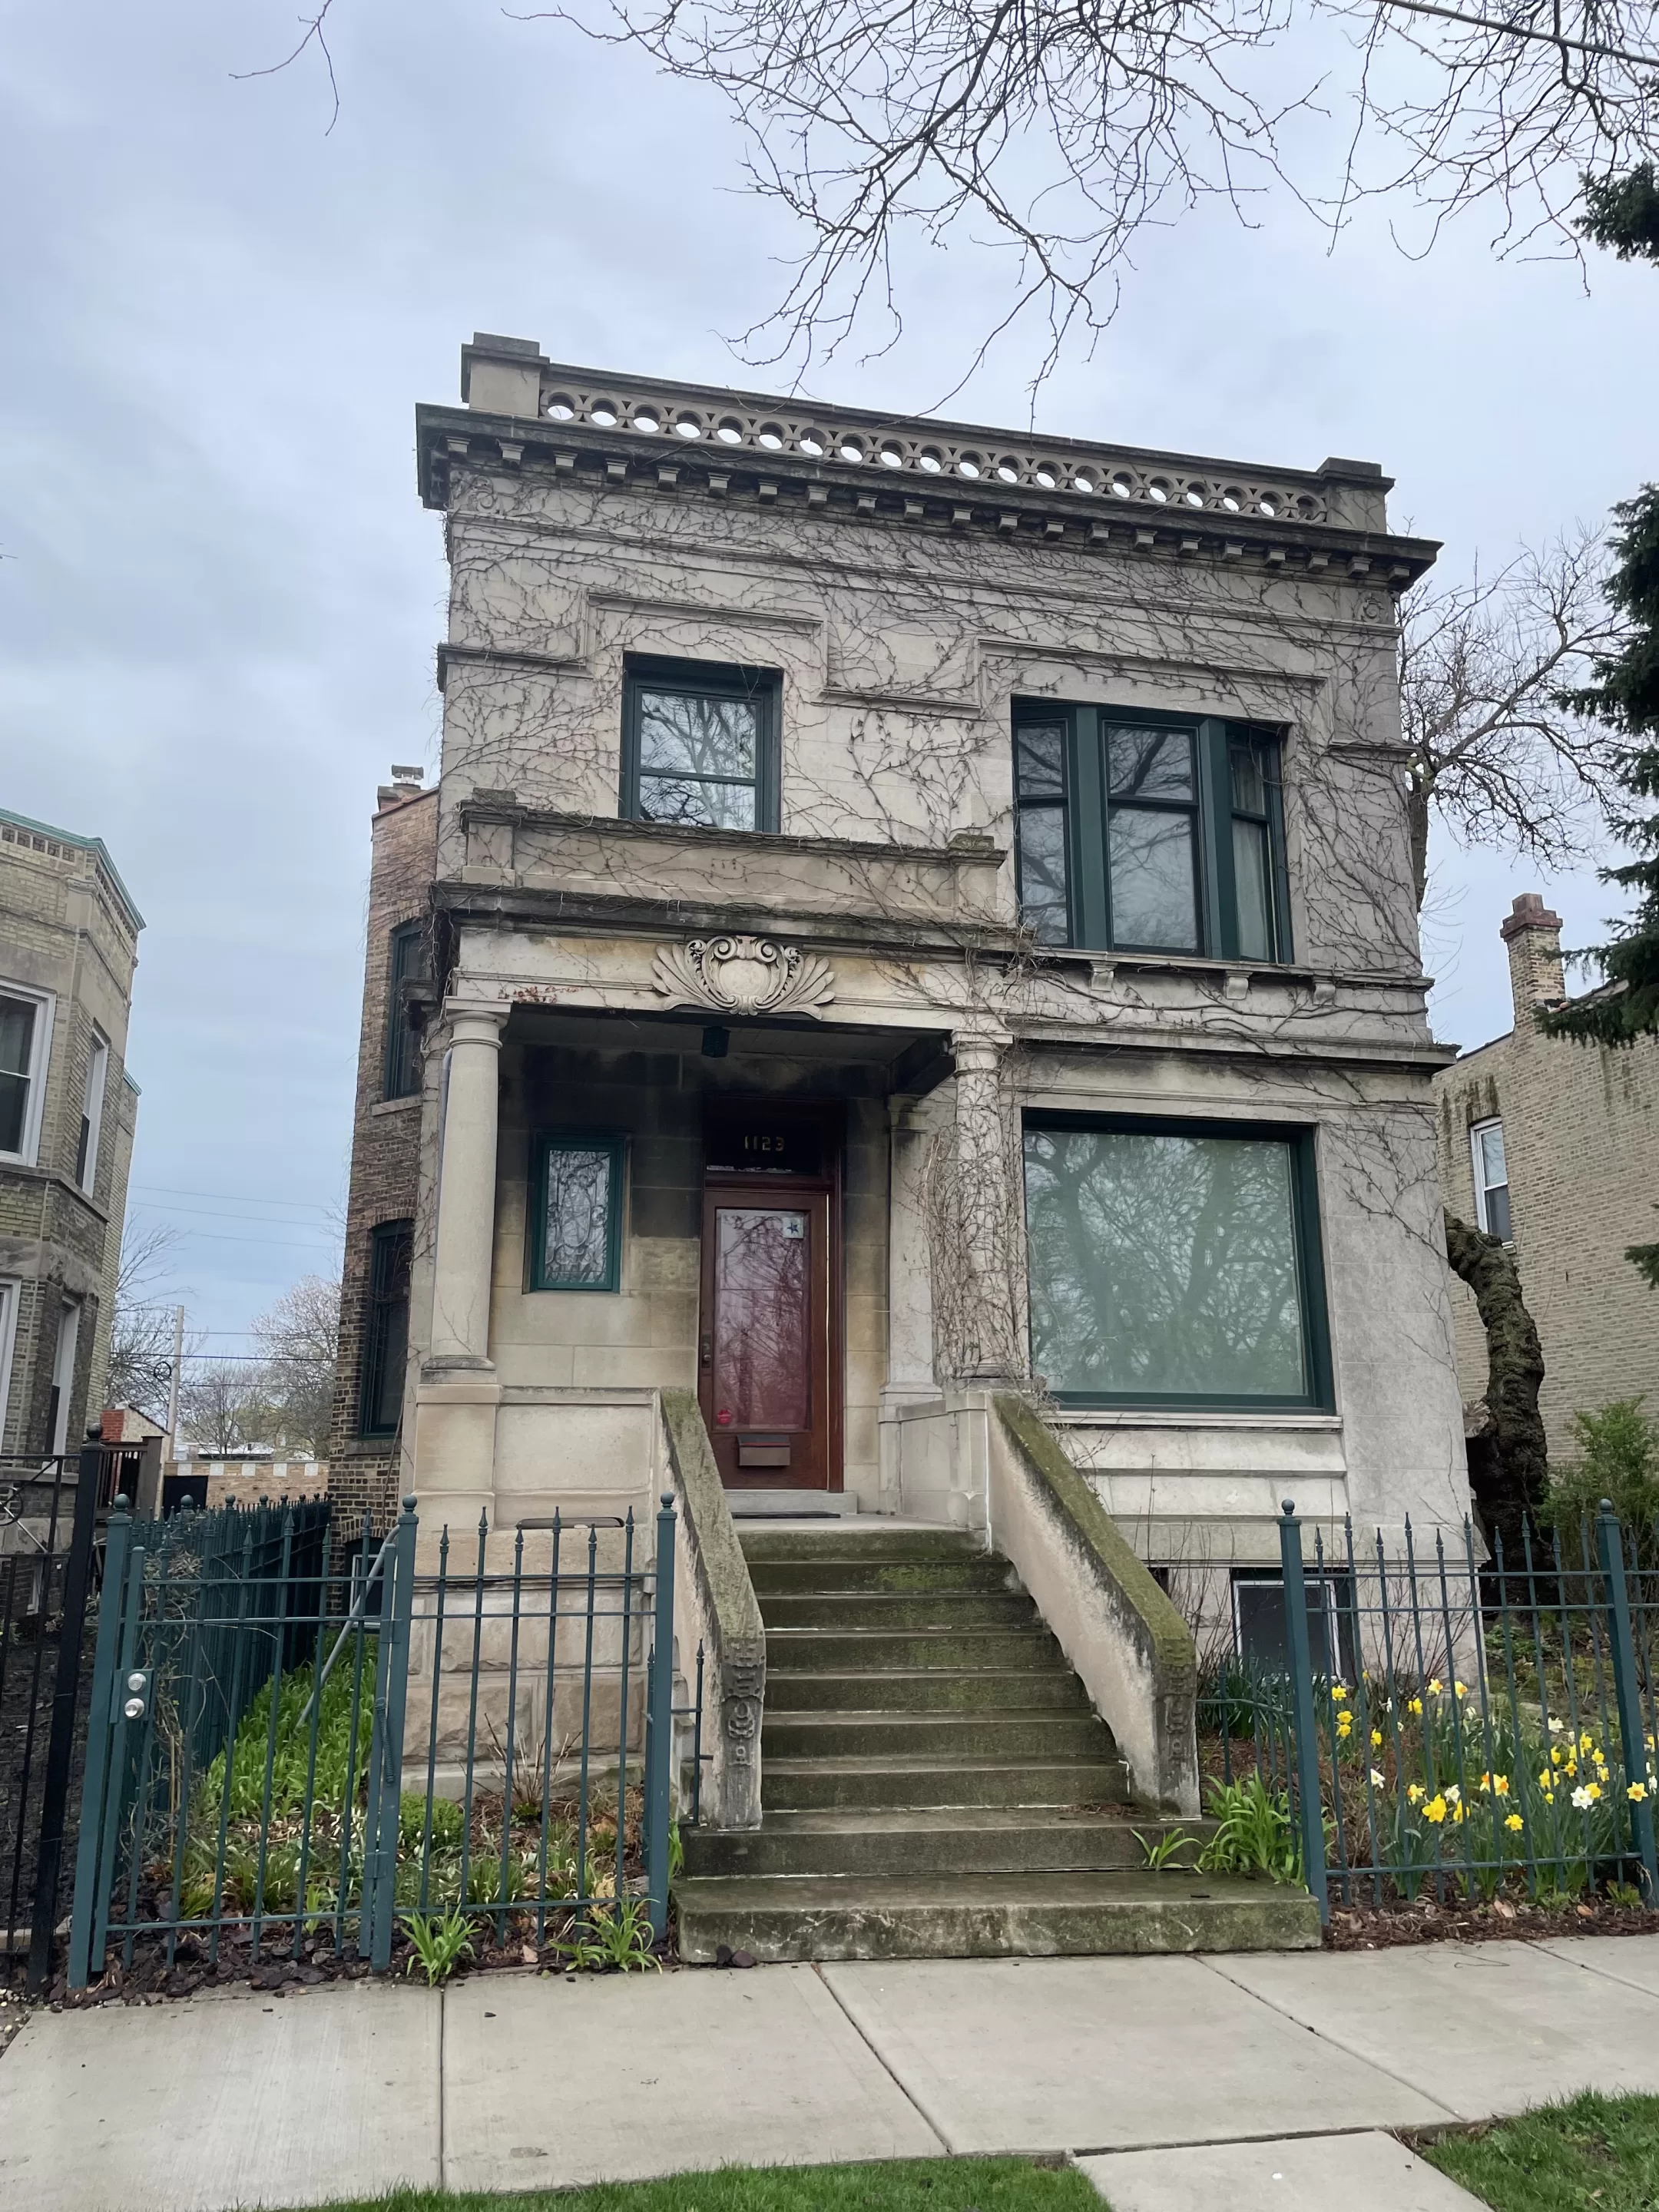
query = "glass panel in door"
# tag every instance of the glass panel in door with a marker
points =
(762, 1350)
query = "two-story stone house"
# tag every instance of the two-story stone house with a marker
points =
(69, 945)
(913, 908)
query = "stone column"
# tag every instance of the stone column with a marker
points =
(987, 1327)
(464, 1248)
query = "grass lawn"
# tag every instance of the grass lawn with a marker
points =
(926, 2184)
(1590, 2155)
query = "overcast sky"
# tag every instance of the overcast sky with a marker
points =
(219, 593)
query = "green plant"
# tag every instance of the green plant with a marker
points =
(1619, 1460)
(1624, 1892)
(1161, 1851)
(676, 1853)
(441, 1941)
(614, 1939)
(1255, 1834)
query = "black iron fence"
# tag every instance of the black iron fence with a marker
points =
(1431, 1722)
(49, 1562)
(296, 1744)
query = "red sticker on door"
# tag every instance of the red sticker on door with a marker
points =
(724, 1417)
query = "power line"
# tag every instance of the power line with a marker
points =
(1558, 38)
(239, 1197)
(217, 1214)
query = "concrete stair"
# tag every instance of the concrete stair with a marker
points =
(935, 1783)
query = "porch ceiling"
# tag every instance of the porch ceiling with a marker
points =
(910, 1060)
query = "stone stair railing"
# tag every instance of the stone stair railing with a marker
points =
(715, 1606)
(1126, 1640)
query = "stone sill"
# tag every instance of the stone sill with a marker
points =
(1176, 1417)
(504, 808)
(397, 1105)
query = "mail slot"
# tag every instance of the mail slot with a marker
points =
(763, 1451)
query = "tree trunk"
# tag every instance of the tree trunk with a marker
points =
(1417, 823)
(1515, 1369)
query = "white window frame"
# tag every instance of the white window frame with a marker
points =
(92, 1106)
(65, 1352)
(40, 1061)
(1478, 1170)
(11, 1293)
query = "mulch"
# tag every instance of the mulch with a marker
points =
(1460, 1920)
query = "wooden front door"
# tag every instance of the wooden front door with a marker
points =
(763, 1354)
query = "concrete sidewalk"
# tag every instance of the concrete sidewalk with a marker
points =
(1180, 2081)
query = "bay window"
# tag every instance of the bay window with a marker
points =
(1150, 833)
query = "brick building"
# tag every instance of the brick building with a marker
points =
(68, 944)
(365, 1448)
(1554, 1145)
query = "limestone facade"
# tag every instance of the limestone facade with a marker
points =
(68, 945)
(1580, 1133)
(854, 982)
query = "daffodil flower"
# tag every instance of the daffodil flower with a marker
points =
(1380, 1781)
(1435, 1810)
(1376, 1739)
(1637, 1792)
(1434, 1686)
(1586, 1795)
(1556, 1727)
(1515, 1822)
(1415, 1705)
(1461, 1689)
(1338, 1693)
(1414, 1791)
(1453, 1793)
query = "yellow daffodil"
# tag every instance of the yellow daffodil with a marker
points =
(1376, 1739)
(1434, 1686)
(1515, 1822)
(1460, 1688)
(1415, 1705)
(1556, 1754)
(1545, 1779)
(1571, 1766)
(1338, 1693)
(1414, 1791)
(1435, 1810)
(1586, 1742)
(1601, 1758)
(1549, 1796)
(1586, 1795)
(1637, 1792)
(1496, 1785)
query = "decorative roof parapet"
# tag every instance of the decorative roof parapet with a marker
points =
(678, 436)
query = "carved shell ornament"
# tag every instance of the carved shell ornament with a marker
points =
(743, 975)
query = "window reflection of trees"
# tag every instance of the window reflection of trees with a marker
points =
(1164, 1264)
(697, 759)
(763, 1353)
(578, 1220)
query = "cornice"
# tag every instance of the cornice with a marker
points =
(628, 434)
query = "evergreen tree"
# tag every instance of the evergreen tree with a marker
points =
(1622, 213)
(1626, 697)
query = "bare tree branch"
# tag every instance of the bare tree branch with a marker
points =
(1491, 746)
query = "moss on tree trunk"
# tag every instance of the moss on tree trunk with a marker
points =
(1508, 1501)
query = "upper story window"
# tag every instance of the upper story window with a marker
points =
(406, 967)
(92, 1112)
(699, 745)
(1491, 1180)
(25, 1046)
(1146, 833)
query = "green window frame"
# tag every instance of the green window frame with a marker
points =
(386, 1329)
(406, 967)
(1306, 1261)
(701, 744)
(573, 1165)
(1150, 832)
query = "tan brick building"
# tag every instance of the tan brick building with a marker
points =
(385, 1149)
(1555, 1145)
(68, 944)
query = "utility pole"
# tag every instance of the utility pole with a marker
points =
(172, 1383)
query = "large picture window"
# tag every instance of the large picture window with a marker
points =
(699, 745)
(1175, 1263)
(386, 1329)
(1146, 833)
(575, 1230)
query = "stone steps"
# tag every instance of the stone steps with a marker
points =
(935, 1782)
(928, 1689)
(959, 1839)
(992, 1916)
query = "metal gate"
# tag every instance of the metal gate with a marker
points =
(49, 1519)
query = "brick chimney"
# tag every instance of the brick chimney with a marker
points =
(1533, 935)
(406, 784)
